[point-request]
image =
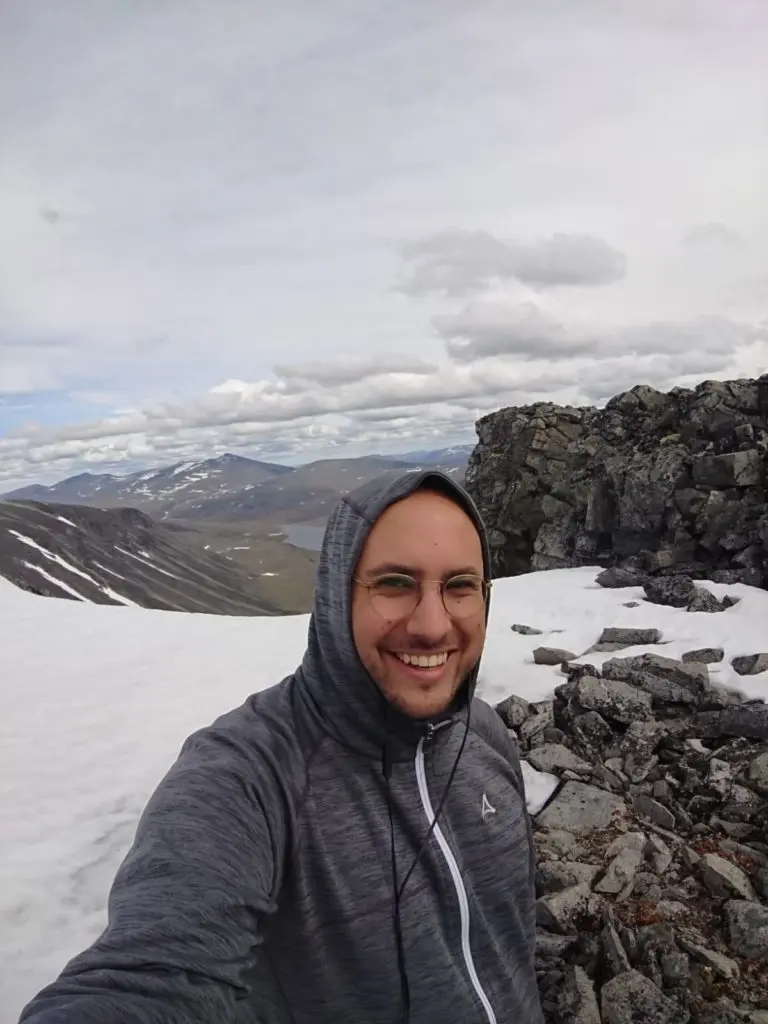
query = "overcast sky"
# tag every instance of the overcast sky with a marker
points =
(293, 228)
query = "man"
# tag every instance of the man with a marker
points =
(351, 846)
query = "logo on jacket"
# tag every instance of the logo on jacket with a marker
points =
(487, 807)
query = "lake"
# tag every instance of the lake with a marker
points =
(303, 535)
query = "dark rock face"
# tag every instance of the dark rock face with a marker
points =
(652, 873)
(654, 484)
(117, 556)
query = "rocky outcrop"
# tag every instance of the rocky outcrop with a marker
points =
(119, 557)
(657, 483)
(652, 874)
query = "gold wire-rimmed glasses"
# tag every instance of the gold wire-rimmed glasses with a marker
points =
(395, 596)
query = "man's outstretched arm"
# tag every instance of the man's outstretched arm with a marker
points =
(186, 904)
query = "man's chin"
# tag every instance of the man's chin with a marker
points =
(419, 703)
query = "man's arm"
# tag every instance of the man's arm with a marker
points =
(186, 904)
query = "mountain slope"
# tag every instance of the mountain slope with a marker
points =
(118, 556)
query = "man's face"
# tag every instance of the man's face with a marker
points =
(430, 538)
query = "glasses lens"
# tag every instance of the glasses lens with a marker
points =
(464, 596)
(394, 596)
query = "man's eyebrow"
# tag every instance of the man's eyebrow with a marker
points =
(383, 568)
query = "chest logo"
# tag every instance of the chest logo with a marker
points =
(487, 807)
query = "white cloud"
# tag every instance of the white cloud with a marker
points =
(350, 369)
(713, 236)
(194, 193)
(526, 331)
(461, 262)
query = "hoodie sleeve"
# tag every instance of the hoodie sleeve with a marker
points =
(185, 909)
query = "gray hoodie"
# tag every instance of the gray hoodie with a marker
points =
(260, 888)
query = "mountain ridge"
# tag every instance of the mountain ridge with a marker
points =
(231, 487)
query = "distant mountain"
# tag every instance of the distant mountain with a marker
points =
(456, 455)
(232, 487)
(308, 492)
(119, 557)
(158, 491)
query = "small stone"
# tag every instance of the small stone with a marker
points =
(614, 950)
(750, 664)
(556, 875)
(658, 853)
(617, 579)
(576, 1000)
(549, 946)
(627, 855)
(720, 964)
(652, 809)
(514, 711)
(558, 912)
(757, 773)
(631, 997)
(704, 655)
(724, 879)
(628, 636)
(553, 757)
(580, 808)
(703, 600)
(747, 927)
(556, 842)
(518, 627)
(613, 699)
(720, 778)
(552, 656)
(673, 591)
(532, 730)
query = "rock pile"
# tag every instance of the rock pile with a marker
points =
(653, 854)
(656, 483)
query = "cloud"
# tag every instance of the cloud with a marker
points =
(460, 262)
(268, 416)
(349, 369)
(713, 236)
(486, 329)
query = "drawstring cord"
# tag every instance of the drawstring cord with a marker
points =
(398, 892)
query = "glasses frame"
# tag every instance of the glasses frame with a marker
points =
(441, 584)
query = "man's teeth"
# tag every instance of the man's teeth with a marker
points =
(424, 660)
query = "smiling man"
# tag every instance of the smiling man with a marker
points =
(351, 845)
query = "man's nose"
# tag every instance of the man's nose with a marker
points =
(429, 620)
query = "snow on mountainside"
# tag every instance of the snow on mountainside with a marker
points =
(97, 701)
(118, 556)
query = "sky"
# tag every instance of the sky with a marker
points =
(111, 681)
(296, 229)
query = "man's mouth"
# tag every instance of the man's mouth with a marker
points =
(425, 668)
(422, 660)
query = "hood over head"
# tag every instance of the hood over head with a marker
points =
(331, 678)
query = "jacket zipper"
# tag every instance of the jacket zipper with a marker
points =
(453, 867)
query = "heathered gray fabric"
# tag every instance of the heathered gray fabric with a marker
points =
(259, 887)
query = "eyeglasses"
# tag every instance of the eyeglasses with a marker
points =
(395, 596)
